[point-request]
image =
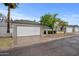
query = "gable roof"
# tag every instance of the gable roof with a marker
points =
(26, 22)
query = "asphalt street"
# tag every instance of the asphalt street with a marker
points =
(63, 47)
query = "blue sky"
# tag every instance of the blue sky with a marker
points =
(31, 11)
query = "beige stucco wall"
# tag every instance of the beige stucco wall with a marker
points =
(3, 29)
(76, 29)
(70, 29)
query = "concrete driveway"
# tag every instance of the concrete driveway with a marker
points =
(63, 47)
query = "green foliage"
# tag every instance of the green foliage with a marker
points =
(63, 23)
(53, 22)
(49, 20)
(50, 32)
(46, 20)
(12, 5)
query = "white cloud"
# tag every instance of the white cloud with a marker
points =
(71, 16)
(72, 19)
(16, 15)
(75, 16)
(3, 12)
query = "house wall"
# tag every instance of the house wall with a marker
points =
(13, 29)
(47, 31)
(69, 29)
(76, 29)
(26, 30)
(3, 31)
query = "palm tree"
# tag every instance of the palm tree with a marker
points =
(55, 21)
(63, 25)
(56, 25)
(10, 6)
(49, 20)
(45, 19)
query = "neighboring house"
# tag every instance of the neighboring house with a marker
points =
(69, 29)
(27, 28)
(21, 28)
(72, 28)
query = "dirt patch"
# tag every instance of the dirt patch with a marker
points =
(5, 43)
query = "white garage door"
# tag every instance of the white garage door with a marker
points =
(76, 29)
(27, 31)
(69, 29)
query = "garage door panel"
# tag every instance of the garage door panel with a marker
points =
(76, 29)
(69, 29)
(28, 31)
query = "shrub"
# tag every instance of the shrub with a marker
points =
(49, 31)
(54, 32)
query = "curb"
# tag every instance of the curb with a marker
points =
(67, 36)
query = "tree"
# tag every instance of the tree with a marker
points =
(45, 20)
(10, 6)
(63, 25)
(49, 20)
(56, 25)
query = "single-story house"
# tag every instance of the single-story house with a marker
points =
(72, 28)
(21, 28)
(28, 28)
(69, 29)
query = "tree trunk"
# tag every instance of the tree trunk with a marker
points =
(64, 30)
(8, 20)
(56, 29)
(52, 31)
(52, 28)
